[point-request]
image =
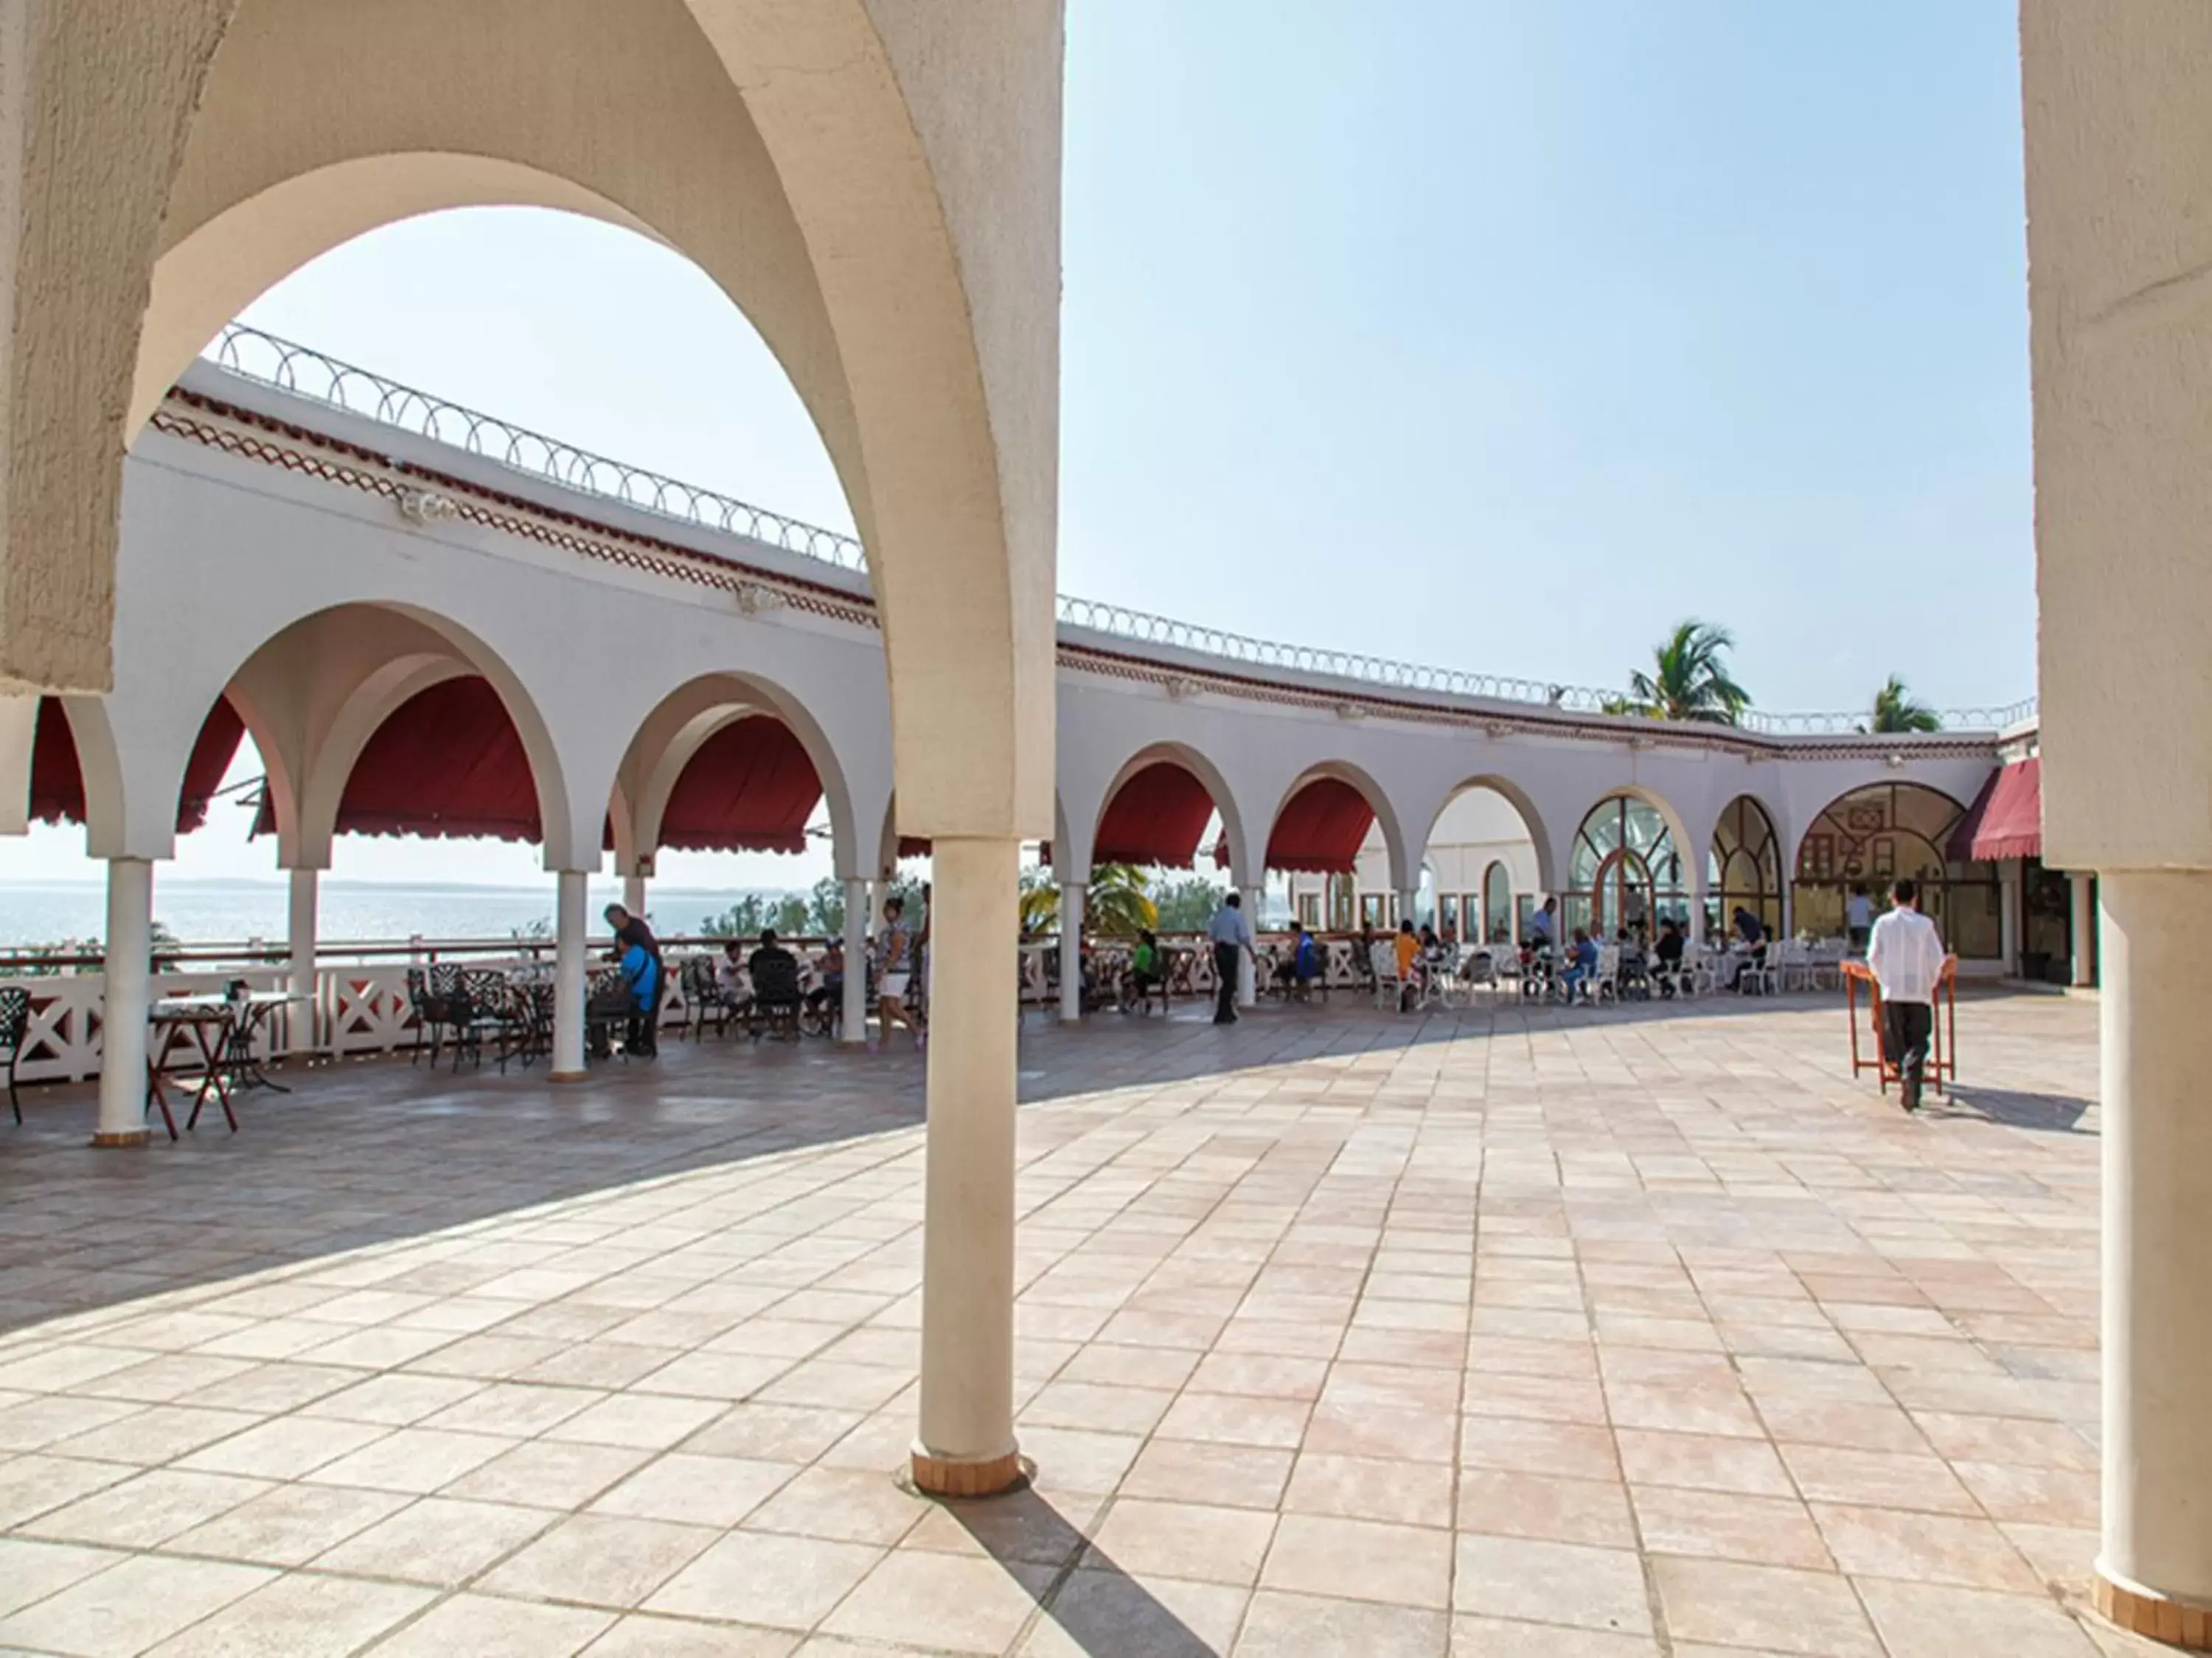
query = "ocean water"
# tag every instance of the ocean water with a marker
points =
(231, 911)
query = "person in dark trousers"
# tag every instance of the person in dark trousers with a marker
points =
(1906, 959)
(631, 933)
(1231, 933)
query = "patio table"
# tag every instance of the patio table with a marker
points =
(249, 1016)
(188, 1028)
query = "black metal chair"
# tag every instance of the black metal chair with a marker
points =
(15, 1025)
(778, 1000)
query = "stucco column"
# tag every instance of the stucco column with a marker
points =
(300, 1017)
(2084, 929)
(1072, 895)
(568, 925)
(1248, 975)
(634, 895)
(965, 1445)
(2008, 885)
(855, 1016)
(1408, 900)
(122, 1120)
(2157, 1150)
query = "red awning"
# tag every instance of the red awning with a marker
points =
(2006, 819)
(1156, 817)
(58, 779)
(750, 788)
(447, 763)
(1319, 831)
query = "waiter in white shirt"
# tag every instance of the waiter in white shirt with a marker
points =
(1906, 960)
(1231, 933)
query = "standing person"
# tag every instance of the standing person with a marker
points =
(631, 933)
(1906, 956)
(1305, 961)
(1668, 954)
(1544, 925)
(1858, 918)
(641, 972)
(1231, 933)
(896, 950)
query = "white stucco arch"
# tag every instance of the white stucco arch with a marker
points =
(1532, 819)
(1405, 862)
(671, 734)
(1191, 759)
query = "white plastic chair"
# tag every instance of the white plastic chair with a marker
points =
(1604, 984)
(1383, 960)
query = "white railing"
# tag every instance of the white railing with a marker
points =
(308, 373)
(257, 355)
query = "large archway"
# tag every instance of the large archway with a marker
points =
(1626, 869)
(1483, 856)
(1873, 835)
(1743, 868)
(1332, 821)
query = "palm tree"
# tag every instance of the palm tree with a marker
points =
(1894, 710)
(1116, 904)
(1692, 679)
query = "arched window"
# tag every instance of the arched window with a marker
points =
(1626, 871)
(1873, 835)
(1498, 904)
(1743, 870)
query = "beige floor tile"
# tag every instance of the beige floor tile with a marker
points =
(1876, 1479)
(1359, 1488)
(950, 1601)
(1093, 1613)
(288, 1526)
(1927, 1548)
(1380, 1431)
(287, 1448)
(416, 1459)
(549, 1474)
(146, 1508)
(156, 1434)
(516, 1409)
(482, 1627)
(1101, 1406)
(1770, 1608)
(437, 1540)
(303, 1615)
(601, 1560)
(844, 1504)
(131, 1606)
(641, 1422)
(1772, 1531)
(1493, 1637)
(1279, 1625)
(697, 1491)
(1569, 1583)
(1210, 1545)
(1917, 1620)
(1515, 1445)
(1233, 1476)
(1549, 1509)
(396, 1400)
(2041, 1497)
(1360, 1560)
(1235, 1419)
(646, 1634)
(760, 1577)
(1703, 1462)
(31, 1571)
(34, 1484)
(772, 1432)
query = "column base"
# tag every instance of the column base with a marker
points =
(940, 1476)
(568, 1076)
(129, 1137)
(2178, 1623)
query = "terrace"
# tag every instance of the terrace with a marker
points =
(1516, 1329)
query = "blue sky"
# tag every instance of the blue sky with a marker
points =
(1493, 334)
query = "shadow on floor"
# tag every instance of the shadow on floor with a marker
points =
(1098, 1606)
(2047, 1113)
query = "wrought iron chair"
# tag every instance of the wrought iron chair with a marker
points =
(15, 1026)
(778, 1000)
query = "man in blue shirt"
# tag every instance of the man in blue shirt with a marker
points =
(641, 971)
(1231, 934)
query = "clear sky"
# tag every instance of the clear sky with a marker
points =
(1481, 332)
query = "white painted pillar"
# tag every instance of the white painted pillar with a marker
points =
(2008, 885)
(1072, 896)
(2084, 929)
(126, 1001)
(965, 1444)
(634, 895)
(878, 891)
(1409, 906)
(568, 925)
(2157, 1147)
(301, 1018)
(857, 900)
(1248, 978)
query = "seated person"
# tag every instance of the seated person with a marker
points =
(1143, 974)
(1581, 965)
(829, 990)
(774, 973)
(641, 971)
(1408, 947)
(1753, 938)
(1666, 957)
(1632, 977)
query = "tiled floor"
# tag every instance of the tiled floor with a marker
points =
(1605, 1335)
